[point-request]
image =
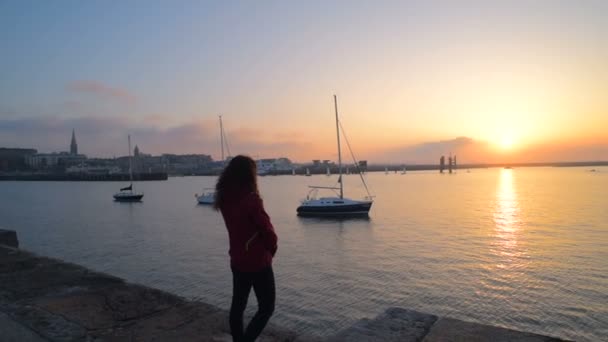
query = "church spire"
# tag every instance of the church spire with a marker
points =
(73, 144)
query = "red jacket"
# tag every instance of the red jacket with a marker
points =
(253, 241)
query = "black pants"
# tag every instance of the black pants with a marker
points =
(263, 286)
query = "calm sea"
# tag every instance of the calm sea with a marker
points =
(525, 248)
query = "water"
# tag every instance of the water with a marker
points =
(525, 248)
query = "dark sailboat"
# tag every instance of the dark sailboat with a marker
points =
(127, 194)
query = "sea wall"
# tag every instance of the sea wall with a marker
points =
(44, 299)
(82, 177)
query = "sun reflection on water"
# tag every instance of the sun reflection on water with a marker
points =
(507, 223)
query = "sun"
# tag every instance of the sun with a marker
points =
(507, 142)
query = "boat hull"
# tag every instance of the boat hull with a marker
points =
(207, 198)
(358, 209)
(128, 198)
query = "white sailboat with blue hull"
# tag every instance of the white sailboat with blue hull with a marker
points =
(339, 206)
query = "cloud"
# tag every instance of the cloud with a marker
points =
(469, 150)
(102, 91)
(430, 152)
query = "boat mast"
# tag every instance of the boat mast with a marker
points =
(130, 163)
(222, 138)
(339, 151)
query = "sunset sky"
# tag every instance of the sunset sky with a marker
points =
(491, 81)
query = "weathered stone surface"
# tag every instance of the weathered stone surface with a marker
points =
(448, 329)
(65, 302)
(9, 238)
(46, 324)
(13, 331)
(395, 324)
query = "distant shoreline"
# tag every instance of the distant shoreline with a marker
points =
(301, 170)
(82, 177)
(429, 167)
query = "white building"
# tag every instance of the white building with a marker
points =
(273, 164)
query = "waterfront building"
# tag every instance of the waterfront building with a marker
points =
(51, 160)
(274, 164)
(13, 159)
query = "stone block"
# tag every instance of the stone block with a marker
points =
(449, 329)
(395, 324)
(9, 238)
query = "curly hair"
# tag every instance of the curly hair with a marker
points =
(240, 176)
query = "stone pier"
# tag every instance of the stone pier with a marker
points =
(44, 299)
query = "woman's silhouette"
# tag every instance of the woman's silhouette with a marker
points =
(253, 244)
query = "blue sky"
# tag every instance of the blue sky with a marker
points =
(407, 73)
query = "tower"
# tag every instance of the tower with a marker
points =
(73, 144)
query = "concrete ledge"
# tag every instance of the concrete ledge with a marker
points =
(13, 331)
(395, 324)
(448, 329)
(9, 238)
(59, 301)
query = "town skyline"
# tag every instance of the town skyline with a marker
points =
(459, 144)
(490, 82)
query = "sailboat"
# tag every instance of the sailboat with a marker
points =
(404, 171)
(307, 172)
(128, 194)
(328, 173)
(335, 206)
(208, 195)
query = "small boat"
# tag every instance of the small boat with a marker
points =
(328, 173)
(207, 197)
(293, 172)
(386, 170)
(335, 206)
(404, 171)
(128, 194)
(307, 172)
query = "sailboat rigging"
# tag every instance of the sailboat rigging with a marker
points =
(128, 194)
(336, 206)
(208, 195)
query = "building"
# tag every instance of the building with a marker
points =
(56, 160)
(274, 164)
(14, 159)
(73, 144)
(53, 160)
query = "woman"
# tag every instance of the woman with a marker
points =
(253, 244)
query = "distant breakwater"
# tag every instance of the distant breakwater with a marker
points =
(119, 177)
